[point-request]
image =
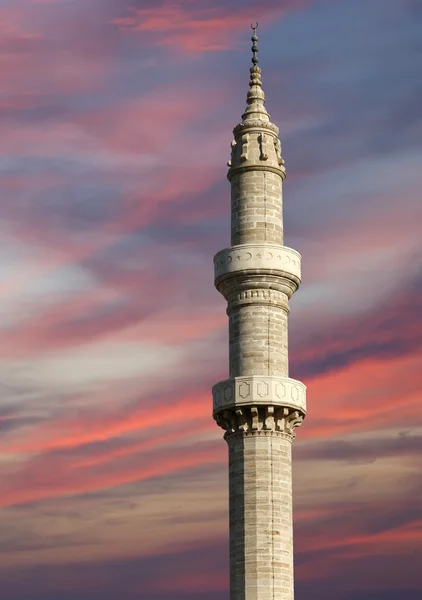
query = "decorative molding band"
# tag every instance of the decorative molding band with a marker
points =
(281, 170)
(258, 296)
(259, 390)
(257, 257)
(257, 124)
(232, 437)
(259, 420)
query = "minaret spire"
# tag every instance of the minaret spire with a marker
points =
(256, 97)
(256, 144)
(259, 406)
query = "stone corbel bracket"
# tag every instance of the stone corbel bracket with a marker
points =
(259, 390)
(259, 420)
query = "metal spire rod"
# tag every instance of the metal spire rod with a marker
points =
(254, 45)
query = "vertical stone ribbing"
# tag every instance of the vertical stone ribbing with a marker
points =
(259, 406)
(260, 503)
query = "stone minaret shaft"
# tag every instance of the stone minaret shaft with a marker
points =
(259, 405)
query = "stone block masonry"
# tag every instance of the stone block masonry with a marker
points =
(256, 208)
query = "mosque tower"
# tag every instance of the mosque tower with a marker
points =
(259, 406)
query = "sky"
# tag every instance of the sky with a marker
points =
(116, 120)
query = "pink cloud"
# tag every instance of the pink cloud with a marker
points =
(101, 456)
(152, 126)
(197, 29)
(69, 432)
(47, 477)
(179, 28)
(35, 66)
(363, 396)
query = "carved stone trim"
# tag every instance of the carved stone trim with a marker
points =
(233, 150)
(258, 296)
(245, 147)
(277, 145)
(281, 171)
(265, 390)
(240, 281)
(232, 437)
(259, 420)
(262, 257)
(257, 124)
(263, 150)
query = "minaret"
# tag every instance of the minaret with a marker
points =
(259, 405)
